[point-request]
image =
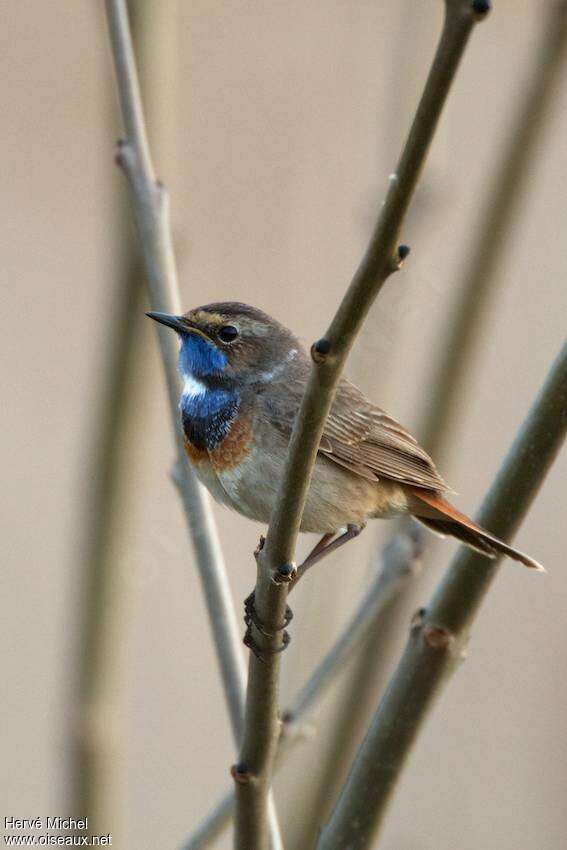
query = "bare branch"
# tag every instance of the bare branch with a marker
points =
(401, 561)
(151, 212)
(477, 284)
(94, 741)
(275, 561)
(150, 206)
(497, 215)
(440, 631)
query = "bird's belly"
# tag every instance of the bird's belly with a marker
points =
(249, 484)
(338, 497)
(211, 480)
(220, 469)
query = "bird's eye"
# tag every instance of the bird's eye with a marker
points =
(228, 333)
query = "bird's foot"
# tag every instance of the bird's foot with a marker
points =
(325, 546)
(251, 619)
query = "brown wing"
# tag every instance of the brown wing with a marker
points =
(357, 435)
(363, 438)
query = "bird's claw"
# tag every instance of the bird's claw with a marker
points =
(251, 619)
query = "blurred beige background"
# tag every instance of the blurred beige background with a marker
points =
(276, 129)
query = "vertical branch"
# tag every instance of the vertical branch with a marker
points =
(151, 211)
(152, 218)
(439, 633)
(275, 560)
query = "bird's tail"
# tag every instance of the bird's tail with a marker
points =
(439, 516)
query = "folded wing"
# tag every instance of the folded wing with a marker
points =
(363, 438)
(357, 435)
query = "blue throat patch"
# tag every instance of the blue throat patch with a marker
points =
(208, 411)
(200, 358)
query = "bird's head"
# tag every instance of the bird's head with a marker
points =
(229, 342)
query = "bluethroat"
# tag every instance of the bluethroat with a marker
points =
(244, 375)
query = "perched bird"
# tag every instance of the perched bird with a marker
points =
(244, 375)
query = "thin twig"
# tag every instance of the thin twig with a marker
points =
(356, 700)
(151, 212)
(150, 206)
(401, 561)
(440, 631)
(253, 773)
(479, 280)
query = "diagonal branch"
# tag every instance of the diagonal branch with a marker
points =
(440, 631)
(497, 215)
(475, 288)
(275, 561)
(401, 562)
(150, 206)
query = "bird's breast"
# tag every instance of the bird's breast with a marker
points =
(222, 469)
(207, 414)
(217, 434)
(229, 451)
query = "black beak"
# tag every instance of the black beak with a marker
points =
(175, 322)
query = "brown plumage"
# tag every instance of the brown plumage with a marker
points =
(368, 464)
